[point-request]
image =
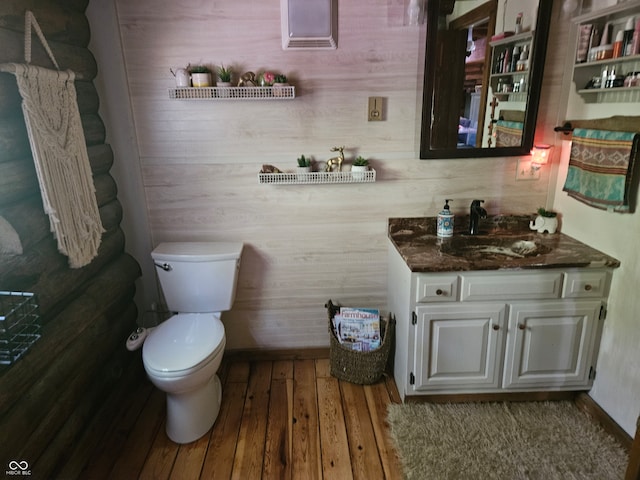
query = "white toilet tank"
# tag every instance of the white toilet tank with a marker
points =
(198, 277)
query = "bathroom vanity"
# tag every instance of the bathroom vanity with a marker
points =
(504, 311)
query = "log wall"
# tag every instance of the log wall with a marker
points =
(55, 400)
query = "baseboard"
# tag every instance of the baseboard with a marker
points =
(274, 355)
(491, 397)
(588, 405)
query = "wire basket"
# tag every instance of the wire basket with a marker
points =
(293, 178)
(363, 368)
(233, 93)
(19, 325)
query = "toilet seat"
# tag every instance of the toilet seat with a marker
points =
(183, 344)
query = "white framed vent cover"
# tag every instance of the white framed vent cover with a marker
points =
(309, 24)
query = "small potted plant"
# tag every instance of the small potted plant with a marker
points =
(280, 81)
(304, 166)
(200, 76)
(547, 220)
(359, 168)
(224, 75)
(267, 79)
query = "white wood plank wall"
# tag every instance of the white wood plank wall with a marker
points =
(304, 244)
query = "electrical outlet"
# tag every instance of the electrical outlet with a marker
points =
(524, 171)
(375, 112)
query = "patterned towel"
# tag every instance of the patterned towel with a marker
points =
(601, 169)
(508, 134)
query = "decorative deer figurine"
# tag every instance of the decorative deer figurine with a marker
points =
(335, 161)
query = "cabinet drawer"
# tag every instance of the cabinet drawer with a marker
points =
(585, 284)
(512, 286)
(437, 288)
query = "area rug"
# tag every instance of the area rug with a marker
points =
(504, 441)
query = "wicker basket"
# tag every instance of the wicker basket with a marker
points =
(19, 325)
(362, 368)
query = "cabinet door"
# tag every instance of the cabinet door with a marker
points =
(459, 347)
(550, 344)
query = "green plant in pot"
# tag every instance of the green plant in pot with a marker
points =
(200, 76)
(359, 168)
(546, 221)
(361, 162)
(279, 81)
(224, 74)
(547, 213)
(304, 167)
(304, 161)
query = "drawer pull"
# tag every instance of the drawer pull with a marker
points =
(439, 292)
(588, 287)
(521, 326)
(496, 326)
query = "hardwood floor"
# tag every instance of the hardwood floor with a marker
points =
(285, 419)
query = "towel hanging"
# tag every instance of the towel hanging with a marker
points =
(602, 169)
(508, 134)
(52, 118)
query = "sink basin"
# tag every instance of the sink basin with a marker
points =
(479, 246)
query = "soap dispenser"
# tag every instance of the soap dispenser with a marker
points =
(445, 221)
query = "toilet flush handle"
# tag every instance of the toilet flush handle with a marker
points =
(165, 266)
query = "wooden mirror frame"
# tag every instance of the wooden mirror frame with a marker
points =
(536, 69)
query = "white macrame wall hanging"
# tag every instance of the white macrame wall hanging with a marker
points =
(59, 152)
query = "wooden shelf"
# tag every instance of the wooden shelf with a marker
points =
(520, 37)
(593, 91)
(609, 13)
(608, 61)
(584, 72)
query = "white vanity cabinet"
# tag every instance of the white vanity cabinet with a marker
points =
(496, 331)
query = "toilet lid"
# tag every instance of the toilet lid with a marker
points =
(183, 341)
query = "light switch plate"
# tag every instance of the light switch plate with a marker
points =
(525, 172)
(375, 112)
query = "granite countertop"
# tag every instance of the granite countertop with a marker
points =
(504, 242)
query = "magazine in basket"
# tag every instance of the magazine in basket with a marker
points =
(358, 328)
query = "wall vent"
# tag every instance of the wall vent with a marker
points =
(309, 24)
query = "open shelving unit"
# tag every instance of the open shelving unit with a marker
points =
(512, 77)
(585, 71)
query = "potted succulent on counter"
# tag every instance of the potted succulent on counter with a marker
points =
(547, 220)
(359, 168)
(200, 76)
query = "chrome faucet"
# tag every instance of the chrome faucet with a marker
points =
(475, 214)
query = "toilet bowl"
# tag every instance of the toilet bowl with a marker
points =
(182, 354)
(181, 358)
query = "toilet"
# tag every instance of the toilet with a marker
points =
(181, 355)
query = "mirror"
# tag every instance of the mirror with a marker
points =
(482, 81)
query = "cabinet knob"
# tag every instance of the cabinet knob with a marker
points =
(439, 291)
(588, 287)
(521, 326)
(496, 326)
